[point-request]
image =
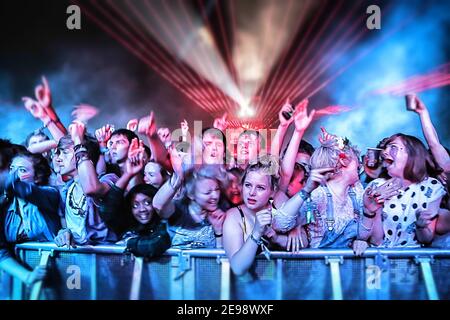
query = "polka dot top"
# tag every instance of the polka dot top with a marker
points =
(399, 213)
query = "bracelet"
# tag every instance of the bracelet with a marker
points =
(81, 160)
(81, 155)
(370, 216)
(104, 150)
(258, 242)
(305, 195)
(218, 235)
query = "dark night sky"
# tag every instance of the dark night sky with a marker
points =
(87, 66)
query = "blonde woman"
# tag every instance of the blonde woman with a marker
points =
(333, 196)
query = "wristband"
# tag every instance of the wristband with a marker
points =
(304, 195)
(218, 235)
(258, 242)
(370, 216)
(104, 150)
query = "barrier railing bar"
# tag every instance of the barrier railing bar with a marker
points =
(204, 252)
(279, 283)
(93, 277)
(225, 278)
(137, 278)
(335, 276)
(428, 277)
(37, 287)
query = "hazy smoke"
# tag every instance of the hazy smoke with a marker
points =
(120, 86)
(418, 48)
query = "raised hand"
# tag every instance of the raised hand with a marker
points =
(184, 128)
(43, 93)
(77, 130)
(420, 106)
(35, 108)
(135, 148)
(147, 125)
(104, 134)
(165, 136)
(301, 118)
(44, 97)
(221, 123)
(177, 162)
(326, 138)
(285, 114)
(132, 125)
(84, 112)
(135, 161)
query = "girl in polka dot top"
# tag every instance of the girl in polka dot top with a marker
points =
(402, 211)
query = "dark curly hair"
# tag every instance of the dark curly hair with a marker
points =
(41, 167)
(7, 152)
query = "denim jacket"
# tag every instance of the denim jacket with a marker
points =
(28, 212)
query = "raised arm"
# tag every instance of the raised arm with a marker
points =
(301, 121)
(87, 173)
(439, 153)
(134, 163)
(42, 109)
(162, 202)
(43, 146)
(277, 140)
(147, 126)
(103, 135)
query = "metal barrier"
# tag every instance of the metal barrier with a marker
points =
(104, 272)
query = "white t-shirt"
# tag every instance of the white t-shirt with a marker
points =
(76, 212)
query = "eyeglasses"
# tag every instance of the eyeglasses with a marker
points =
(393, 149)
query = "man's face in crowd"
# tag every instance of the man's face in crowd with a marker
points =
(213, 148)
(64, 161)
(118, 148)
(248, 148)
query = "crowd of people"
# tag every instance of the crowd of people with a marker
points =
(74, 188)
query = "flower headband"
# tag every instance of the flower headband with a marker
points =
(328, 140)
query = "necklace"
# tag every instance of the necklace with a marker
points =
(77, 207)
